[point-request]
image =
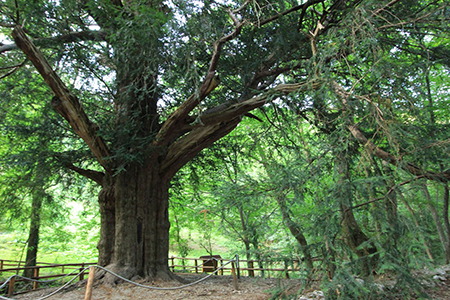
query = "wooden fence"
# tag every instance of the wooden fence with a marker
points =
(45, 271)
(42, 271)
(244, 267)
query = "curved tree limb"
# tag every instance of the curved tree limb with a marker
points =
(380, 153)
(64, 101)
(211, 127)
(89, 35)
(91, 174)
(172, 127)
(396, 161)
(186, 148)
(232, 110)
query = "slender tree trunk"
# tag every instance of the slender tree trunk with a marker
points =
(374, 206)
(352, 234)
(416, 222)
(330, 258)
(245, 238)
(391, 205)
(295, 230)
(437, 221)
(445, 214)
(33, 238)
(445, 211)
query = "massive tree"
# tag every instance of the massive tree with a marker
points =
(138, 82)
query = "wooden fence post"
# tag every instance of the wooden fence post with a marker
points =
(82, 272)
(233, 272)
(196, 266)
(251, 272)
(12, 281)
(36, 276)
(173, 263)
(90, 283)
(238, 266)
(221, 265)
(1, 264)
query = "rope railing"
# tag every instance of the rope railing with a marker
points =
(13, 277)
(43, 281)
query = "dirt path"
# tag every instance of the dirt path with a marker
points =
(437, 286)
(216, 287)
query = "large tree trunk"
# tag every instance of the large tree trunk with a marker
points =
(107, 222)
(141, 243)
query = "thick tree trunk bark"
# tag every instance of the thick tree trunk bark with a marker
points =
(107, 222)
(33, 238)
(141, 239)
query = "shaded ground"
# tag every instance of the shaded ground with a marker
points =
(437, 283)
(216, 287)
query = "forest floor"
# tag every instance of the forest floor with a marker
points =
(216, 287)
(437, 286)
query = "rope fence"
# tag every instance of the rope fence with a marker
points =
(209, 264)
(12, 279)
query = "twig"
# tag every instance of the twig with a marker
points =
(387, 194)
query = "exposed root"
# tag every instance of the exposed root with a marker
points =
(124, 271)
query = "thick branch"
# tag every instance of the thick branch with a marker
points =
(182, 151)
(171, 127)
(227, 112)
(64, 101)
(213, 126)
(91, 174)
(65, 38)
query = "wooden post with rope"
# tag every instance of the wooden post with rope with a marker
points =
(12, 281)
(36, 276)
(233, 272)
(90, 283)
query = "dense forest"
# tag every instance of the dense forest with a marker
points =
(310, 130)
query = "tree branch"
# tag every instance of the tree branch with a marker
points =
(91, 174)
(386, 156)
(232, 110)
(171, 128)
(13, 69)
(186, 148)
(65, 38)
(64, 101)
(302, 7)
(213, 126)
